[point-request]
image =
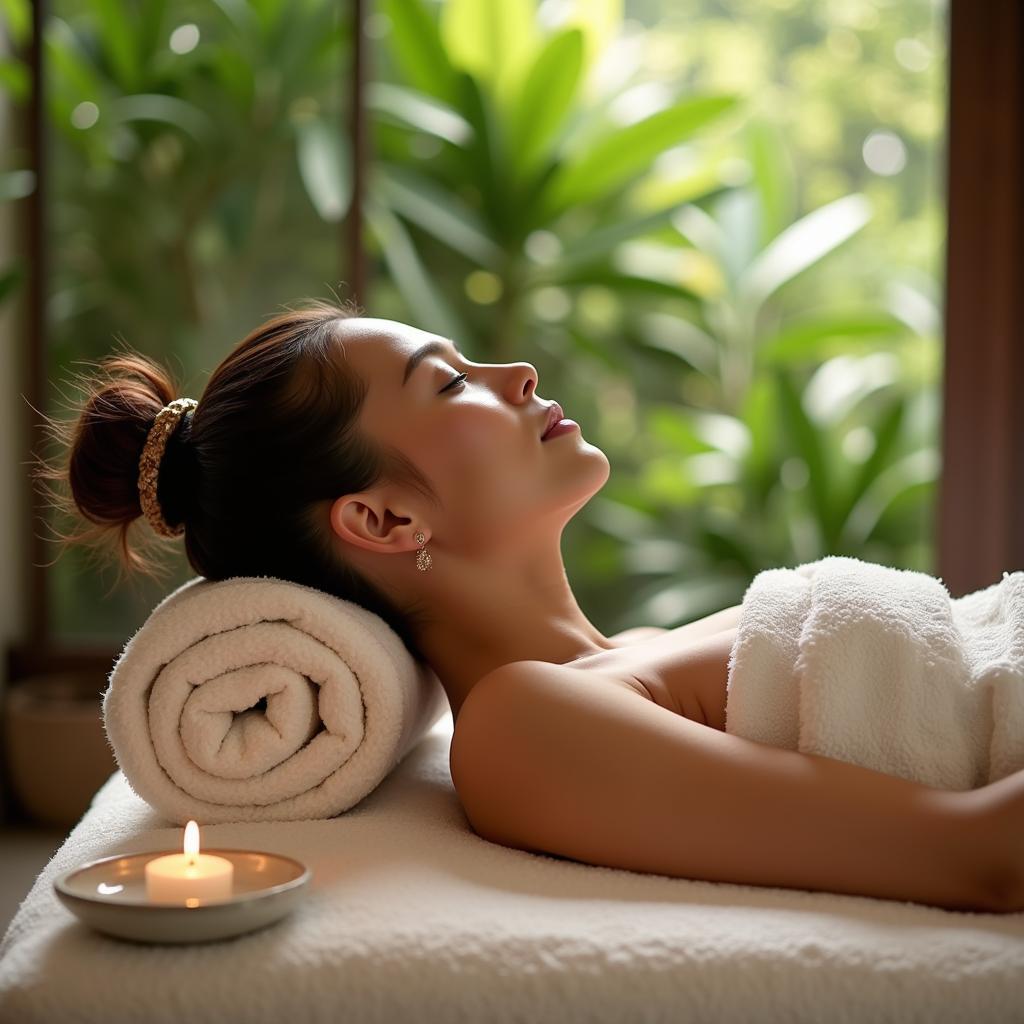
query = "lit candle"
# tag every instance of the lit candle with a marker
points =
(189, 877)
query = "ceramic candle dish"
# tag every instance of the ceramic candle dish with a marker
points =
(110, 896)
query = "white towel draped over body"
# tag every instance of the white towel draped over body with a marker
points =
(881, 667)
(345, 702)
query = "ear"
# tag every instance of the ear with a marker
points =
(367, 521)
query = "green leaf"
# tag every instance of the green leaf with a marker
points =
(887, 434)
(492, 41)
(323, 157)
(428, 307)
(548, 90)
(774, 176)
(236, 74)
(623, 153)
(415, 43)
(588, 348)
(914, 307)
(240, 15)
(802, 245)
(843, 381)
(617, 281)
(16, 14)
(483, 159)
(675, 429)
(657, 557)
(439, 212)
(118, 41)
(603, 240)
(738, 215)
(806, 439)
(801, 340)
(674, 334)
(416, 110)
(167, 109)
(728, 542)
(760, 412)
(912, 471)
(701, 230)
(14, 79)
(599, 20)
(686, 600)
(270, 14)
(73, 78)
(618, 520)
(150, 35)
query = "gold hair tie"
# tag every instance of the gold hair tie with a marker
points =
(164, 425)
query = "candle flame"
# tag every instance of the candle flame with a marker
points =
(191, 840)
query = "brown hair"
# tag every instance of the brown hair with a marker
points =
(251, 472)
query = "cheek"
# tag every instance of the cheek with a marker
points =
(478, 448)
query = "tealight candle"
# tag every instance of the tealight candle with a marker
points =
(190, 876)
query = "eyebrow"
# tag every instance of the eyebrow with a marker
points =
(431, 348)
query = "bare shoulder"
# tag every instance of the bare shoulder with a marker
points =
(528, 718)
(531, 692)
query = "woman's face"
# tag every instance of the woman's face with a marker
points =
(477, 439)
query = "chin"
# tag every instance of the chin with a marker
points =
(602, 460)
(593, 478)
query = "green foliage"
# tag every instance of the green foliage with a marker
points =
(759, 405)
(672, 219)
(198, 175)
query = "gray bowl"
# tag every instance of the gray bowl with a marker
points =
(110, 896)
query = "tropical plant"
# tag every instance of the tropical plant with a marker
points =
(182, 141)
(497, 170)
(817, 430)
(535, 192)
(504, 173)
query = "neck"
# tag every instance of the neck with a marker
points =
(483, 613)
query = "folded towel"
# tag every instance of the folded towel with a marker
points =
(881, 667)
(345, 702)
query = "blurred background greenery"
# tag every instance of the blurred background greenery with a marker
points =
(715, 226)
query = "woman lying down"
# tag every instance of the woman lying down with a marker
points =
(375, 462)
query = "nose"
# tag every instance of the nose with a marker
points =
(521, 381)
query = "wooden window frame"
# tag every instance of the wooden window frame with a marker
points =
(980, 522)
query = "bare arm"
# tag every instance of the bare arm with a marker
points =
(553, 759)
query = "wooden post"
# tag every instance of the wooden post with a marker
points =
(39, 625)
(358, 147)
(980, 517)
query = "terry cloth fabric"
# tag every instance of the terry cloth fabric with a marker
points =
(344, 699)
(880, 667)
(411, 916)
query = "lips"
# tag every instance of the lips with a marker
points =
(554, 415)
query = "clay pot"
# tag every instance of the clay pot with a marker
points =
(57, 751)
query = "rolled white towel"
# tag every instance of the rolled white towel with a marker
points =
(345, 702)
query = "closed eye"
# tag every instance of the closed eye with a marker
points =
(455, 380)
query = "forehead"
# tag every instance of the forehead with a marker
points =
(371, 338)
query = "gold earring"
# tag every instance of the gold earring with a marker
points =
(423, 559)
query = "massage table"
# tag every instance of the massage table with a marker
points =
(412, 916)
